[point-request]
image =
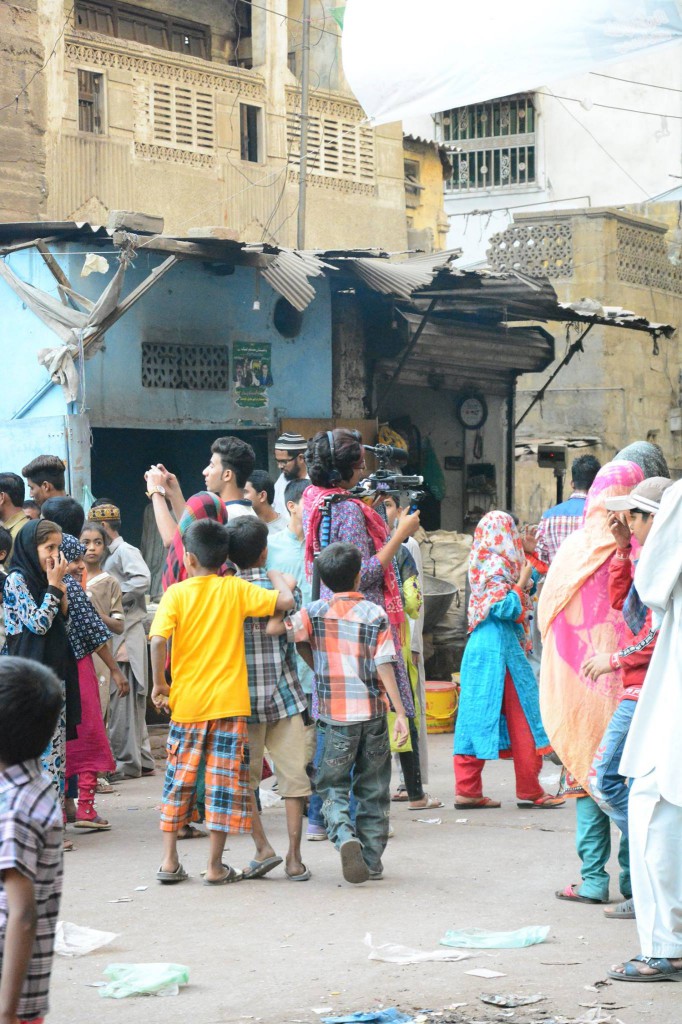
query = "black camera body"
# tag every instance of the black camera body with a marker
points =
(388, 480)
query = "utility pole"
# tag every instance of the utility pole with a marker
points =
(303, 163)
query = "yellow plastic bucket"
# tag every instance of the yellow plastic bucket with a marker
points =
(441, 705)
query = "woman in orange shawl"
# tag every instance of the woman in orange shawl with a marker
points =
(576, 619)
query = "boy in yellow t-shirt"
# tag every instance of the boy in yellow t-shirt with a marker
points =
(209, 697)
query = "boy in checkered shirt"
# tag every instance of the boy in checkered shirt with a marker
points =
(277, 705)
(31, 838)
(208, 698)
(352, 655)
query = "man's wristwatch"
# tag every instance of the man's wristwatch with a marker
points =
(156, 489)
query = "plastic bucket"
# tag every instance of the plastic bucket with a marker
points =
(441, 705)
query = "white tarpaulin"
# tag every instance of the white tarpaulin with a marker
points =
(404, 59)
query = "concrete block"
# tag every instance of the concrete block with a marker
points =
(143, 223)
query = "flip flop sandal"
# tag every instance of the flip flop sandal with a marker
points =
(477, 805)
(572, 896)
(544, 802)
(259, 868)
(233, 875)
(400, 797)
(299, 878)
(624, 911)
(93, 824)
(192, 833)
(661, 964)
(352, 864)
(432, 802)
(104, 787)
(172, 877)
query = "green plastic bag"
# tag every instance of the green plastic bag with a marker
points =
(434, 477)
(479, 938)
(143, 980)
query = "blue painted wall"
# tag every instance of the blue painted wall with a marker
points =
(190, 305)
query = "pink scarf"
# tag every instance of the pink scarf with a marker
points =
(377, 530)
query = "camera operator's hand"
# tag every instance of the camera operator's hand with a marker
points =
(408, 524)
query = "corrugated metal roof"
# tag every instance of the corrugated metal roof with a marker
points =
(289, 275)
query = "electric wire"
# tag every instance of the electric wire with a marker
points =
(24, 89)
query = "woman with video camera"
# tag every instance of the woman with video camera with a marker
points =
(336, 463)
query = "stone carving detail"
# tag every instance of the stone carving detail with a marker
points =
(540, 250)
(148, 151)
(124, 58)
(347, 185)
(643, 260)
(328, 106)
(190, 367)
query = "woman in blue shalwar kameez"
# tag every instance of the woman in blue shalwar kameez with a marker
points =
(499, 709)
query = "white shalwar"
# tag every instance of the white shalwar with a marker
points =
(652, 757)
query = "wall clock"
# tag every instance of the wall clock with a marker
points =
(471, 411)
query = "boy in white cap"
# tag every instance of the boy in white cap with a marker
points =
(630, 516)
(289, 452)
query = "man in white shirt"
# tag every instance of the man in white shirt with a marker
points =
(289, 456)
(260, 491)
(652, 759)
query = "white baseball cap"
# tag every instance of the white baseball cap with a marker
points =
(645, 496)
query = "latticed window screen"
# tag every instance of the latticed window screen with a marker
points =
(191, 367)
(492, 145)
(182, 116)
(340, 149)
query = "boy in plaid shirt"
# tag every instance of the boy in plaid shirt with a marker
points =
(209, 696)
(277, 703)
(31, 837)
(352, 653)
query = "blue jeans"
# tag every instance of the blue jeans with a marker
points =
(593, 844)
(356, 758)
(607, 786)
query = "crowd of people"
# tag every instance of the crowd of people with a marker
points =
(290, 624)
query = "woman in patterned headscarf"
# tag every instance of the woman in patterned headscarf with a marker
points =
(499, 712)
(576, 619)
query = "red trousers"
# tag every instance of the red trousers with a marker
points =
(527, 762)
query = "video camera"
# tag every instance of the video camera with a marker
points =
(386, 479)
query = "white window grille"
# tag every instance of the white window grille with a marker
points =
(492, 145)
(336, 148)
(182, 116)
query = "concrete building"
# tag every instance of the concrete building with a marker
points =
(427, 168)
(190, 112)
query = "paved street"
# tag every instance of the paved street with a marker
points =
(274, 950)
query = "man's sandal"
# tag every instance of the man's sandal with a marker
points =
(543, 802)
(624, 911)
(481, 804)
(660, 964)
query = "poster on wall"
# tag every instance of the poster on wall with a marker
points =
(251, 373)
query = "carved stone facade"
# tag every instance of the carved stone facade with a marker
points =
(643, 259)
(543, 249)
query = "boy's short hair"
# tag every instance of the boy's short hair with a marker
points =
(65, 512)
(208, 541)
(30, 703)
(236, 455)
(339, 565)
(5, 541)
(46, 469)
(260, 480)
(294, 490)
(248, 540)
(583, 471)
(30, 503)
(14, 487)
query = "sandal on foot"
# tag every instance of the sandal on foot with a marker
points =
(400, 797)
(172, 877)
(431, 803)
(233, 875)
(299, 878)
(352, 864)
(259, 868)
(661, 964)
(624, 911)
(481, 804)
(572, 896)
(104, 786)
(544, 801)
(95, 824)
(191, 833)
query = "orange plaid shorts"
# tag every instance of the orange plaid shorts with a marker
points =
(224, 744)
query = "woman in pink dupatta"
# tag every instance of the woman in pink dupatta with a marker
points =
(576, 619)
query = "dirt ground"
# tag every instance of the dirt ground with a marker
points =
(274, 951)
